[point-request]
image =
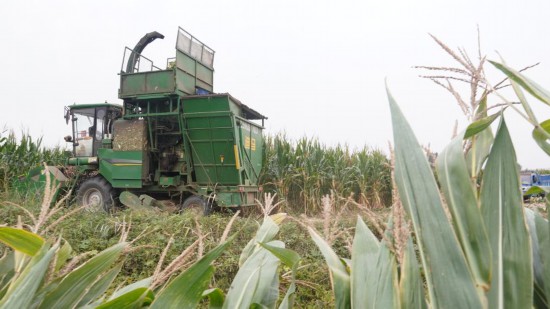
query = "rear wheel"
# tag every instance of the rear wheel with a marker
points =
(198, 205)
(96, 194)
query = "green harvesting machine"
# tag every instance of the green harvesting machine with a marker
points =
(172, 137)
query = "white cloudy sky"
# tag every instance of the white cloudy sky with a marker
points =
(315, 68)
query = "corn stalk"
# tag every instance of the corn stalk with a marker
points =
(474, 249)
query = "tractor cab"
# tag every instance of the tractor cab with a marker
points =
(91, 125)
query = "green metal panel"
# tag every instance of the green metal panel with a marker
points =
(210, 127)
(213, 148)
(251, 142)
(201, 75)
(205, 104)
(185, 82)
(183, 79)
(147, 83)
(123, 169)
(204, 85)
(205, 75)
(226, 149)
(186, 63)
(231, 197)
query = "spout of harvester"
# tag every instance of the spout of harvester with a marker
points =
(140, 46)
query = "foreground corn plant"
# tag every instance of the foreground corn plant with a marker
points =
(479, 248)
(40, 273)
(33, 277)
(256, 284)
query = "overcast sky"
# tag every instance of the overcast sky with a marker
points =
(315, 68)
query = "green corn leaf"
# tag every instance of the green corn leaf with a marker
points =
(541, 138)
(266, 233)
(100, 286)
(134, 299)
(21, 240)
(530, 86)
(63, 255)
(291, 259)
(185, 291)
(216, 298)
(143, 283)
(411, 291)
(481, 145)
(382, 279)
(481, 111)
(363, 259)
(502, 210)
(480, 125)
(481, 142)
(256, 281)
(539, 241)
(43, 291)
(73, 287)
(462, 203)
(7, 271)
(523, 101)
(542, 228)
(21, 292)
(448, 277)
(266, 292)
(341, 278)
(288, 300)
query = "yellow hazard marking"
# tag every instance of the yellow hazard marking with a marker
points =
(237, 163)
(250, 143)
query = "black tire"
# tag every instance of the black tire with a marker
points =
(197, 204)
(96, 194)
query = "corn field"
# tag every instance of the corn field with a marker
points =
(17, 157)
(304, 171)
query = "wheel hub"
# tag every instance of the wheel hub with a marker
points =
(93, 200)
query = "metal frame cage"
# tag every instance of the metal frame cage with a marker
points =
(190, 45)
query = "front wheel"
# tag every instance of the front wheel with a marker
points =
(197, 204)
(96, 194)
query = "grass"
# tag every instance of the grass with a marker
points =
(93, 232)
